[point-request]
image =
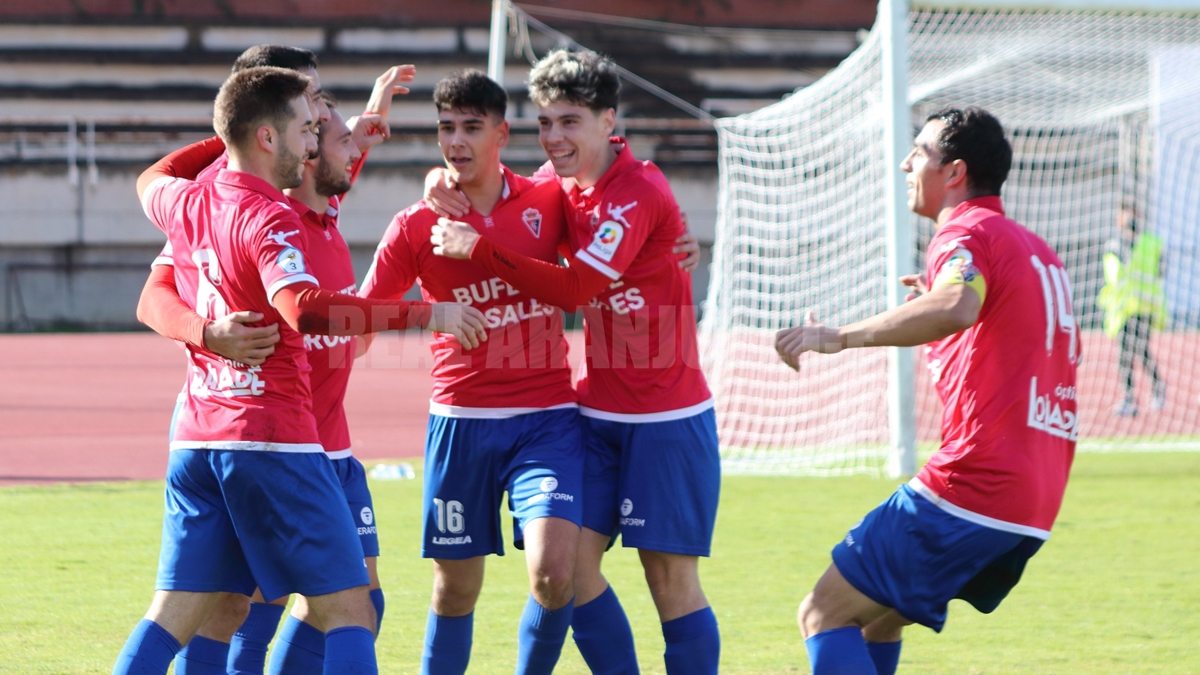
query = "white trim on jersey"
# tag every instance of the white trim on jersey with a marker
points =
(597, 265)
(162, 260)
(977, 518)
(340, 454)
(443, 410)
(249, 446)
(154, 186)
(288, 281)
(642, 418)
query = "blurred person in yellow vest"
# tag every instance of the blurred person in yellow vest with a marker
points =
(1134, 304)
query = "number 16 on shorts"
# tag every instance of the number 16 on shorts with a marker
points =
(449, 516)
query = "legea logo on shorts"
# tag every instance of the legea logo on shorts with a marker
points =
(366, 515)
(549, 483)
(626, 507)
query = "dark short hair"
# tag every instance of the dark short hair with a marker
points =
(471, 90)
(580, 78)
(255, 96)
(278, 56)
(975, 136)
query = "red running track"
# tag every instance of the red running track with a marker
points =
(93, 407)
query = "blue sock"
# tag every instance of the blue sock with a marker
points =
(299, 650)
(840, 651)
(149, 649)
(885, 656)
(248, 649)
(202, 656)
(377, 600)
(540, 637)
(693, 643)
(447, 644)
(604, 637)
(350, 650)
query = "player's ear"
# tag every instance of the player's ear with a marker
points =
(957, 176)
(502, 132)
(265, 137)
(608, 121)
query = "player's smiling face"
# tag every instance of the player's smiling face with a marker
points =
(336, 157)
(316, 102)
(926, 179)
(470, 142)
(296, 142)
(575, 139)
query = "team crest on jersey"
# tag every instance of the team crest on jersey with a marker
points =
(533, 220)
(290, 260)
(608, 238)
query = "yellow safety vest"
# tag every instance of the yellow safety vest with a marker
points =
(1134, 289)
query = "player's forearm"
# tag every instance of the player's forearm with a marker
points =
(308, 309)
(565, 287)
(933, 316)
(160, 308)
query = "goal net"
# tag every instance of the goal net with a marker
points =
(1101, 108)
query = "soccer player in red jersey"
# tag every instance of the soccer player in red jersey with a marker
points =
(994, 313)
(503, 417)
(252, 498)
(229, 628)
(653, 470)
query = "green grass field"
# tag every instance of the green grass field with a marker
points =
(1116, 590)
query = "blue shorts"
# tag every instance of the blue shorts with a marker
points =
(656, 483)
(237, 519)
(537, 457)
(912, 556)
(358, 497)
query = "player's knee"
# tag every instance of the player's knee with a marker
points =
(809, 617)
(454, 597)
(553, 585)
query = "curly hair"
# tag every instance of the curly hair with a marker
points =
(580, 78)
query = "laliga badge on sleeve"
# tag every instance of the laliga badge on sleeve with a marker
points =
(291, 260)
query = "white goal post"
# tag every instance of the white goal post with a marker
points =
(1102, 104)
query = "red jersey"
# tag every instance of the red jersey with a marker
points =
(642, 362)
(524, 359)
(1008, 382)
(329, 356)
(235, 242)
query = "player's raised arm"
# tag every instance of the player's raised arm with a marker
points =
(565, 287)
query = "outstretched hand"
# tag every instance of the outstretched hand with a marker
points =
(453, 239)
(231, 338)
(388, 85)
(917, 283)
(790, 343)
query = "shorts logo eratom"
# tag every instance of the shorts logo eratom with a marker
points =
(366, 515)
(626, 507)
(549, 483)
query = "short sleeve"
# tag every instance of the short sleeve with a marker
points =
(627, 217)
(161, 198)
(957, 256)
(165, 257)
(279, 252)
(394, 269)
